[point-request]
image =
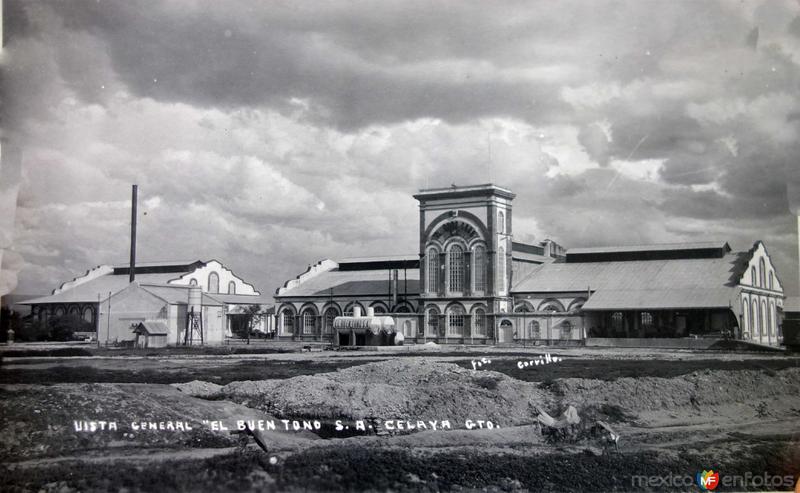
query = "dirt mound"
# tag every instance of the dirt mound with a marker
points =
(417, 388)
(701, 388)
(198, 388)
(411, 388)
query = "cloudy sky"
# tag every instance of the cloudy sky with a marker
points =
(270, 135)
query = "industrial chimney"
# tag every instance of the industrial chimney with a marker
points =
(134, 191)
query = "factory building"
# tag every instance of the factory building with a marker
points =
(471, 283)
(163, 294)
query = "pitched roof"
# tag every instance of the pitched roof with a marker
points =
(791, 304)
(99, 288)
(353, 283)
(699, 245)
(661, 299)
(177, 294)
(672, 283)
(152, 328)
(664, 251)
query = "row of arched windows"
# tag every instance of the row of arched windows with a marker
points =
(86, 313)
(213, 284)
(533, 329)
(758, 319)
(456, 322)
(548, 305)
(760, 277)
(311, 321)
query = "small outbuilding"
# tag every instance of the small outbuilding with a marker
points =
(151, 334)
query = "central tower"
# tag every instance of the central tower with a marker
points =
(465, 259)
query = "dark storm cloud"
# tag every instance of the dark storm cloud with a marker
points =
(235, 57)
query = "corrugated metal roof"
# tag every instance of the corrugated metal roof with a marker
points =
(385, 258)
(634, 275)
(701, 245)
(89, 291)
(661, 299)
(674, 283)
(354, 283)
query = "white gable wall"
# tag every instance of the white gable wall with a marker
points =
(759, 300)
(226, 276)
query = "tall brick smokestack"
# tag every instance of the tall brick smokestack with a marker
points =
(134, 193)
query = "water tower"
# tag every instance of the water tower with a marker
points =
(194, 317)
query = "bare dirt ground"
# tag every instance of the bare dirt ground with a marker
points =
(677, 412)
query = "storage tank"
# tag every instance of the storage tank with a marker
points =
(195, 299)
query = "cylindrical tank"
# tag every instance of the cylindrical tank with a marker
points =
(356, 311)
(378, 324)
(370, 311)
(195, 299)
(388, 324)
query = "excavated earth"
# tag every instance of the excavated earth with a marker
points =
(745, 420)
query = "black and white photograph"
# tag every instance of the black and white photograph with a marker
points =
(399, 246)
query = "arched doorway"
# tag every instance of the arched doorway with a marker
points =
(506, 332)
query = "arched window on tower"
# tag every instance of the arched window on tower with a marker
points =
(433, 271)
(193, 282)
(501, 222)
(213, 283)
(479, 268)
(456, 268)
(753, 275)
(762, 273)
(479, 322)
(771, 280)
(455, 321)
(754, 324)
(231, 287)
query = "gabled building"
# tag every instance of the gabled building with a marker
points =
(112, 306)
(471, 283)
(654, 291)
